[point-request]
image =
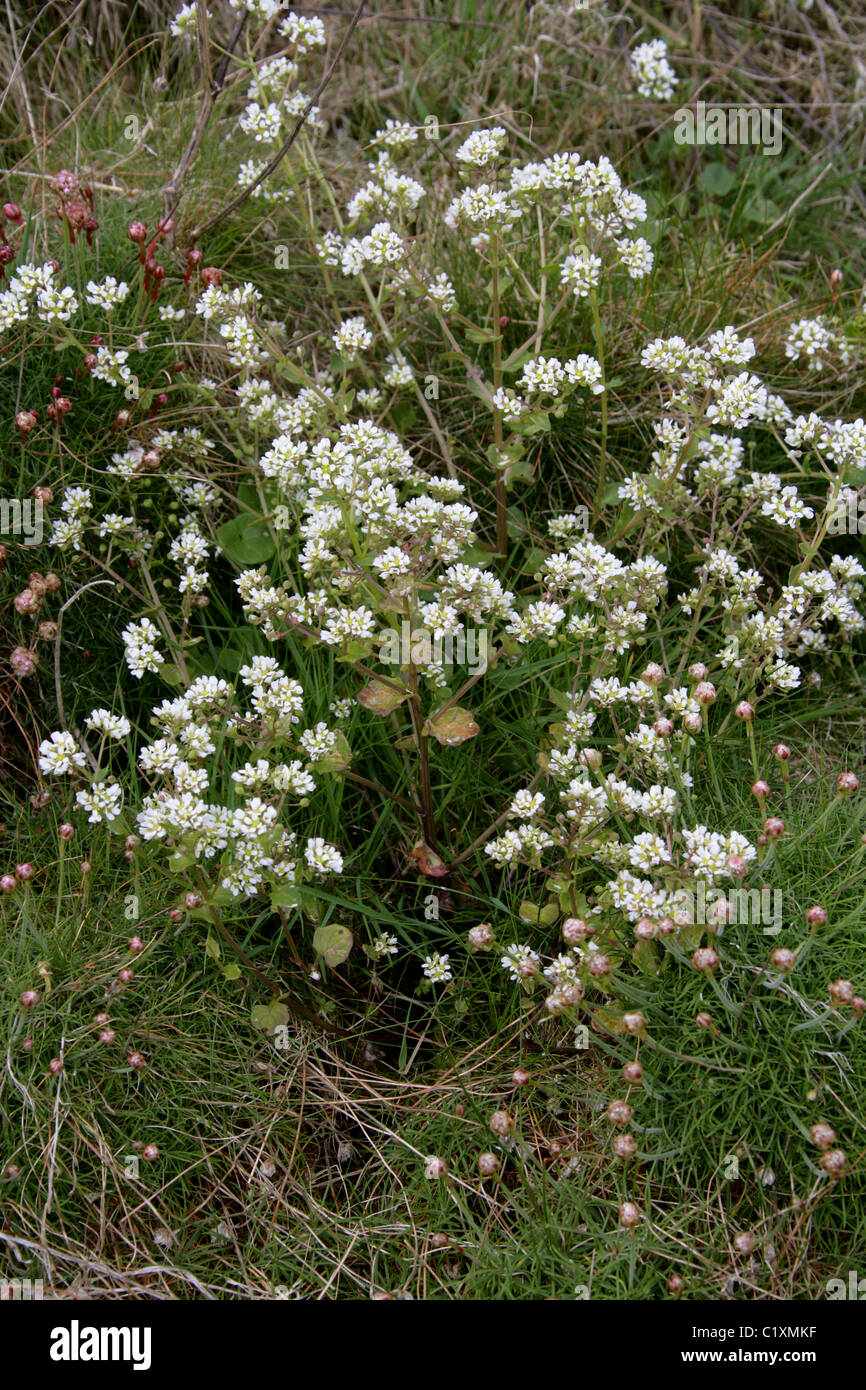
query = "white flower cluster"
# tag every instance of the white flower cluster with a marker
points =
(654, 76)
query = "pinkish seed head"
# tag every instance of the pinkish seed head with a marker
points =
(817, 916)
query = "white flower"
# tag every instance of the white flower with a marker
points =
(59, 754)
(436, 967)
(103, 801)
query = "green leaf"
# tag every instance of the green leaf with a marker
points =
(717, 179)
(333, 943)
(245, 542)
(213, 948)
(538, 916)
(267, 1018)
(645, 958)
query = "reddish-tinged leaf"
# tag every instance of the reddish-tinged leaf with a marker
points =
(452, 726)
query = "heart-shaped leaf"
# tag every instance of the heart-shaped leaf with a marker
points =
(380, 698)
(452, 726)
(333, 943)
(269, 1017)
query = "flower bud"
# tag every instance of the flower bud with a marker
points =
(653, 674)
(634, 1022)
(55, 1066)
(107, 1036)
(784, 960)
(575, 930)
(66, 831)
(8, 883)
(136, 943)
(782, 752)
(624, 1145)
(705, 958)
(632, 1072)
(192, 901)
(591, 758)
(126, 976)
(817, 916)
(480, 937)
(211, 276)
(599, 966)
(29, 998)
(760, 789)
(619, 1112)
(736, 865)
(666, 926)
(705, 693)
(150, 1152)
(823, 1137)
(704, 1021)
(743, 1242)
(774, 826)
(834, 1162)
(663, 727)
(488, 1164)
(847, 783)
(136, 1061)
(745, 711)
(645, 929)
(692, 722)
(137, 232)
(675, 1285)
(501, 1122)
(434, 1167)
(520, 1077)
(698, 671)
(23, 662)
(629, 1215)
(175, 915)
(842, 991)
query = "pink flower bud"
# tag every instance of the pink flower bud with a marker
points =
(629, 1215)
(520, 1077)
(705, 693)
(782, 752)
(645, 929)
(150, 1152)
(66, 831)
(736, 865)
(774, 826)
(8, 883)
(624, 1145)
(743, 1243)
(55, 1066)
(23, 662)
(136, 943)
(29, 998)
(841, 991)
(783, 959)
(137, 232)
(501, 1123)
(126, 976)
(488, 1164)
(760, 789)
(823, 1137)
(575, 930)
(634, 1022)
(107, 1035)
(653, 674)
(817, 916)
(663, 727)
(619, 1112)
(704, 1020)
(24, 871)
(834, 1162)
(136, 1061)
(705, 958)
(192, 901)
(745, 711)
(599, 966)
(692, 722)
(480, 938)
(847, 783)
(633, 1072)
(435, 1168)
(698, 671)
